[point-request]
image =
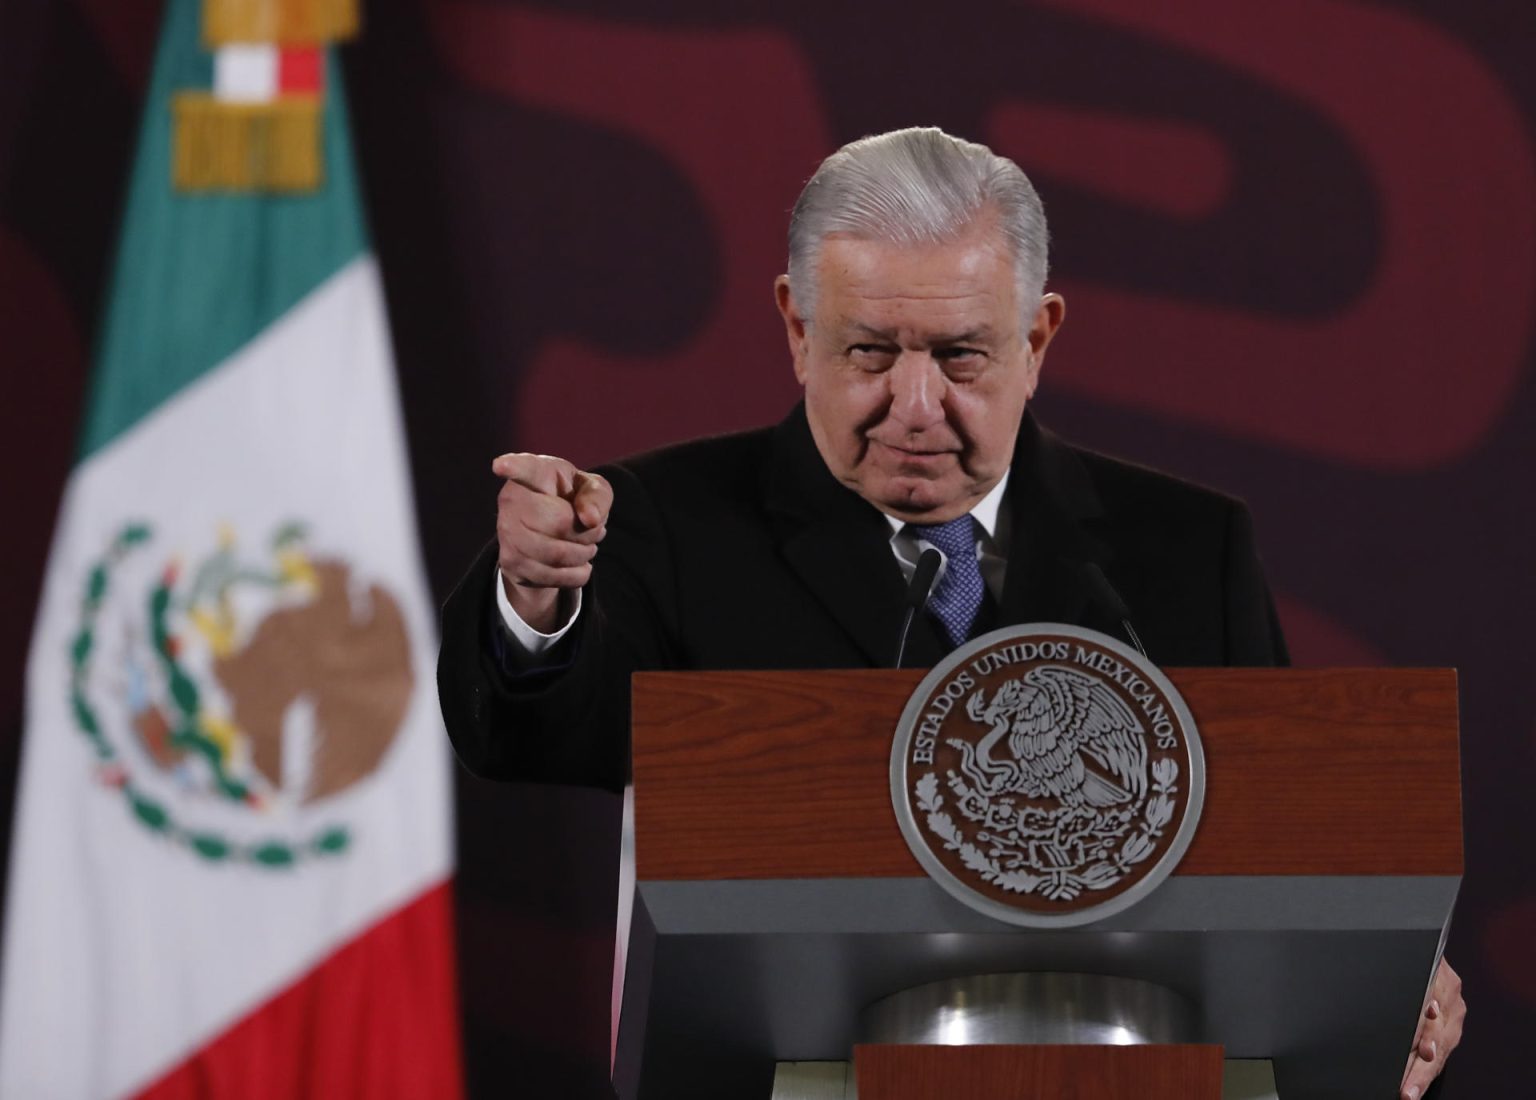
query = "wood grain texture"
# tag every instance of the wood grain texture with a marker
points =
(787, 774)
(1033, 1072)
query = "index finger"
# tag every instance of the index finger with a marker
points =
(541, 473)
(592, 499)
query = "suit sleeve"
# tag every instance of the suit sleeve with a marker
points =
(568, 721)
(1253, 634)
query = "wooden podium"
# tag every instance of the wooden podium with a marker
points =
(777, 898)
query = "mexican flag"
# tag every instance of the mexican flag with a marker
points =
(232, 856)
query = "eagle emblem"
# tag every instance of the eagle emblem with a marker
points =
(1042, 769)
(1053, 718)
(229, 701)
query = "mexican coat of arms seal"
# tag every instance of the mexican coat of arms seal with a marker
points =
(1047, 775)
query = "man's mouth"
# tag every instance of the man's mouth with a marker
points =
(916, 458)
(915, 452)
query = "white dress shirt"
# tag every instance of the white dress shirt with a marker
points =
(991, 556)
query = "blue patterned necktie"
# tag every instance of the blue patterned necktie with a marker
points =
(957, 598)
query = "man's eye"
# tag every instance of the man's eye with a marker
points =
(871, 356)
(961, 364)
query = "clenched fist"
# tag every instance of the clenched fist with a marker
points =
(550, 516)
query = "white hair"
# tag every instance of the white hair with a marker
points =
(916, 186)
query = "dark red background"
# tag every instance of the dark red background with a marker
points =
(1298, 243)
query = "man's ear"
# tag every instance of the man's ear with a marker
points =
(794, 325)
(1042, 330)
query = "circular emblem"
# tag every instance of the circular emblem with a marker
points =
(1047, 775)
(229, 699)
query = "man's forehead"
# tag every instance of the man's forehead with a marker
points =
(940, 299)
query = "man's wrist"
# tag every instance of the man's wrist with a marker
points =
(538, 608)
(528, 641)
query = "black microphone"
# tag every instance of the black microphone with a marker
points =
(1108, 599)
(917, 595)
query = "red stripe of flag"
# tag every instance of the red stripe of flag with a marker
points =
(378, 1018)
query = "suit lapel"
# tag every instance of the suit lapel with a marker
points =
(1054, 515)
(835, 542)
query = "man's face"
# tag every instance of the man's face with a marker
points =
(916, 368)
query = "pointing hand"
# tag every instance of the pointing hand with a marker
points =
(550, 516)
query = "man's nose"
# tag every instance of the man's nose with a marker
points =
(917, 391)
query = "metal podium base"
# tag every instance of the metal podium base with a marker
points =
(1032, 1008)
(1023, 1008)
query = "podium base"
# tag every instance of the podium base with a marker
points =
(1033, 1009)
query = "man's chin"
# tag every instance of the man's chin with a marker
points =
(918, 500)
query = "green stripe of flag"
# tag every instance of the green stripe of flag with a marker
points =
(199, 275)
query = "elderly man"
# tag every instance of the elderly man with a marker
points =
(918, 323)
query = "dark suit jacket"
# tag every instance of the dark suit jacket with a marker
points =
(744, 551)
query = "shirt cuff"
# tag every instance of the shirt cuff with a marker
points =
(526, 642)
